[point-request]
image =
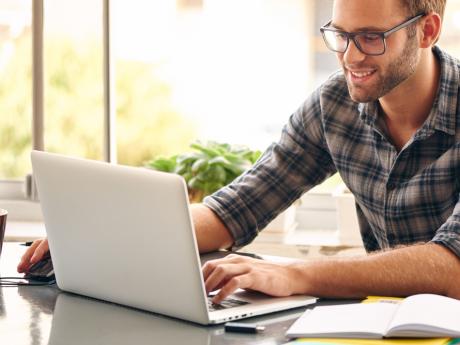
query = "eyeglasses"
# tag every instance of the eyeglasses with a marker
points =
(368, 42)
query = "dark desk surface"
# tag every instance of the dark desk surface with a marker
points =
(46, 315)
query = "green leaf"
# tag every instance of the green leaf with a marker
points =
(188, 158)
(236, 169)
(182, 169)
(213, 187)
(212, 165)
(233, 158)
(199, 165)
(163, 164)
(187, 176)
(195, 183)
(251, 156)
(218, 173)
(210, 152)
(219, 161)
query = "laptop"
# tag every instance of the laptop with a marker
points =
(124, 235)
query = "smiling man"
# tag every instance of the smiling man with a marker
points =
(388, 123)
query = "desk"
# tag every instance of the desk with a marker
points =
(46, 315)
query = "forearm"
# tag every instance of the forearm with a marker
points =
(426, 268)
(211, 233)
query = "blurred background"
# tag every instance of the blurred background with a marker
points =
(225, 70)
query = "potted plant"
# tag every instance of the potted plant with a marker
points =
(208, 167)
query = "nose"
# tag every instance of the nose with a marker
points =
(353, 55)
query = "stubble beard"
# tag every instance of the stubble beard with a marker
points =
(398, 71)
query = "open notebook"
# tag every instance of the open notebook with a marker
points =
(423, 315)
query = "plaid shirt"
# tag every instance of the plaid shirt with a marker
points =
(401, 197)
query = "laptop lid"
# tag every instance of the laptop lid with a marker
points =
(121, 234)
(125, 235)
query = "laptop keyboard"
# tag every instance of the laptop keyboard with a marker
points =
(225, 304)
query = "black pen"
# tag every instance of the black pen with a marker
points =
(27, 244)
(239, 327)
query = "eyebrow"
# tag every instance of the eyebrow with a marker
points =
(365, 28)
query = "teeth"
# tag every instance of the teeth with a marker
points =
(361, 74)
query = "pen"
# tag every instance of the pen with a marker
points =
(239, 327)
(27, 244)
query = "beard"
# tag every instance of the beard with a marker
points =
(399, 70)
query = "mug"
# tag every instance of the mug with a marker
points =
(3, 214)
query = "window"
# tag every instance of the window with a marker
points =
(73, 78)
(226, 70)
(189, 4)
(230, 71)
(451, 28)
(15, 88)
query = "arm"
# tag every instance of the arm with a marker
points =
(211, 233)
(287, 169)
(425, 268)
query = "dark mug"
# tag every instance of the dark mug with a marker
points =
(3, 214)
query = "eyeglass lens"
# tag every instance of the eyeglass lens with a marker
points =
(368, 43)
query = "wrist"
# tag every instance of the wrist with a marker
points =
(300, 278)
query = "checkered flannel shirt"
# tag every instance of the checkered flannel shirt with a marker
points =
(402, 198)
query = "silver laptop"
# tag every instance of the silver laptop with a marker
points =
(125, 235)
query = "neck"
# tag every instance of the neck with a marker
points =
(409, 104)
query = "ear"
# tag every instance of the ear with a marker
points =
(431, 29)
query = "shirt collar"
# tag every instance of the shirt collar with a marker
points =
(444, 111)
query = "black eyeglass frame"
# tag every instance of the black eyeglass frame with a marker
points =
(351, 35)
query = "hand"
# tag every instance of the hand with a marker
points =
(34, 254)
(236, 271)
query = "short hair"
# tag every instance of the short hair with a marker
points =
(415, 7)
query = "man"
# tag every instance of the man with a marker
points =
(388, 124)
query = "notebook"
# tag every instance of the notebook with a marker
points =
(125, 235)
(417, 316)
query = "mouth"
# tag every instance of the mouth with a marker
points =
(361, 76)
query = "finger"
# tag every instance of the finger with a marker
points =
(210, 265)
(235, 258)
(223, 273)
(232, 256)
(207, 268)
(25, 259)
(40, 252)
(235, 283)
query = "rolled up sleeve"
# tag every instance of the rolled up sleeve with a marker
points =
(448, 234)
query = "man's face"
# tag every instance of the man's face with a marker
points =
(371, 77)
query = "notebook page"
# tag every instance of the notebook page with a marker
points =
(350, 320)
(426, 313)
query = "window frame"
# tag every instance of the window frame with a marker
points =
(24, 189)
(19, 196)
